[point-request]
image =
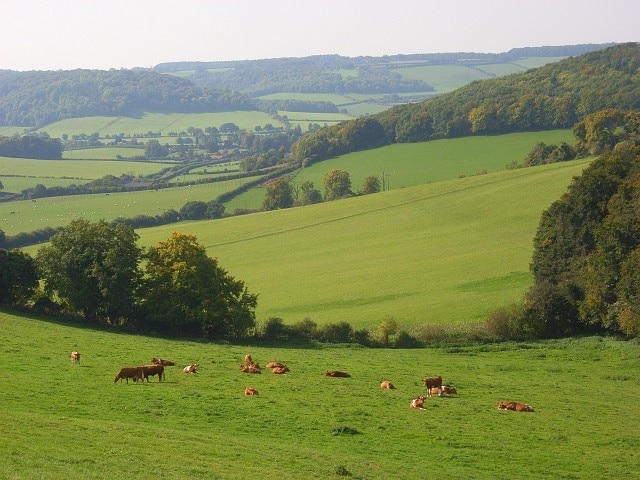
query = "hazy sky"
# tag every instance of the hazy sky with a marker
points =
(69, 34)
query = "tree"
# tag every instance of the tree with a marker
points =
(310, 195)
(279, 194)
(385, 329)
(18, 277)
(337, 184)
(190, 294)
(153, 149)
(194, 210)
(371, 184)
(93, 269)
(215, 209)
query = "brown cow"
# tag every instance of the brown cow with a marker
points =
(134, 373)
(387, 384)
(161, 361)
(151, 370)
(281, 370)
(275, 365)
(75, 358)
(247, 359)
(432, 382)
(417, 403)
(516, 406)
(250, 391)
(252, 368)
(336, 373)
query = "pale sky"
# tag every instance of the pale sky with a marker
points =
(70, 34)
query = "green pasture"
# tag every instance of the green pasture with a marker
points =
(155, 122)
(107, 153)
(63, 421)
(444, 78)
(19, 173)
(444, 253)
(410, 164)
(28, 216)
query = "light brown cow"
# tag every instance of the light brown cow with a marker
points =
(161, 361)
(151, 370)
(516, 406)
(336, 373)
(193, 368)
(135, 373)
(247, 359)
(281, 370)
(252, 368)
(250, 391)
(75, 358)
(432, 382)
(387, 384)
(275, 365)
(417, 403)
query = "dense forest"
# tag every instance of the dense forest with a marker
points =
(556, 95)
(323, 73)
(37, 98)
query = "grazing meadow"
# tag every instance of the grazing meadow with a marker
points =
(450, 252)
(65, 421)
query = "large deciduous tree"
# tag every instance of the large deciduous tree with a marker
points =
(190, 294)
(279, 194)
(93, 269)
(337, 184)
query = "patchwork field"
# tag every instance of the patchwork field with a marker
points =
(67, 421)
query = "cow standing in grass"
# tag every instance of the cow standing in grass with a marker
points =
(75, 358)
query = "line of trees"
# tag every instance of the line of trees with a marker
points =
(586, 260)
(30, 146)
(553, 96)
(97, 272)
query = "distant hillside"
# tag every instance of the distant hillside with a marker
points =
(37, 98)
(337, 74)
(556, 95)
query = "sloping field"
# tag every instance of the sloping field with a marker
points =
(443, 253)
(62, 421)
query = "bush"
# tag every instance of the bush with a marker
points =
(275, 329)
(406, 340)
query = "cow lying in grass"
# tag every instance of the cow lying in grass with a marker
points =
(281, 370)
(336, 373)
(275, 365)
(250, 391)
(417, 403)
(516, 406)
(252, 368)
(193, 368)
(387, 384)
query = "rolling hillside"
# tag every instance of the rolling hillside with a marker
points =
(443, 253)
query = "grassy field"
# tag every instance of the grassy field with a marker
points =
(156, 122)
(63, 421)
(410, 164)
(420, 254)
(28, 216)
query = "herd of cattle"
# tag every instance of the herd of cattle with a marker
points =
(433, 385)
